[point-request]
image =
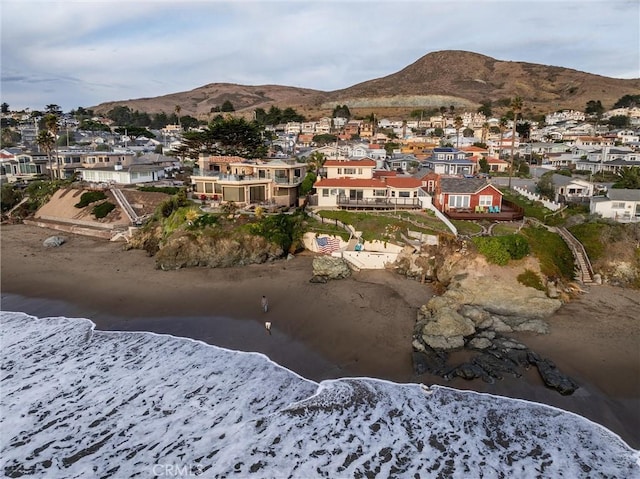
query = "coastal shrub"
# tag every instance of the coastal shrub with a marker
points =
(89, 197)
(40, 192)
(205, 220)
(492, 249)
(284, 230)
(500, 249)
(591, 237)
(531, 279)
(9, 197)
(167, 207)
(555, 257)
(103, 209)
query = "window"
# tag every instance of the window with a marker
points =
(208, 187)
(359, 171)
(339, 171)
(459, 201)
(379, 192)
(349, 171)
(325, 193)
(485, 200)
(617, 205)
(404, 194)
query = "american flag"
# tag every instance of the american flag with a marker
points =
(327, 244)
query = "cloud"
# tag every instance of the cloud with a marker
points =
(76, 53)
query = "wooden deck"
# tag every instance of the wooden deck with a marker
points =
(508, 212)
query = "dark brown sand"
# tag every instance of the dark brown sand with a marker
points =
(360, 326)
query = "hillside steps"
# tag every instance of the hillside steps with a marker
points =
(585, 271)
(125, 205)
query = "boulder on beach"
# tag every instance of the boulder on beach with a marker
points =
(54, 241)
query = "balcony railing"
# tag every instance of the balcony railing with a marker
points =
(283, 181)
(383, 202)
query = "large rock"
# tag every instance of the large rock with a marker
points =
(331, 267)
(446, 329)
(505, 299)
(54, 241)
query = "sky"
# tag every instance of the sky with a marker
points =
(82, 53)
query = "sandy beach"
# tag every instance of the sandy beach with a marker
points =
(360, 326)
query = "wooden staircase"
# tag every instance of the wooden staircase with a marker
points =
(584, 271)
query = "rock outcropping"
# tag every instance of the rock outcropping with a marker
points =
(479, 307)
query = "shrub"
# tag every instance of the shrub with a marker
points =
(9, 197)
(531, 279)
(103, 209)
(172, 204)
(90, 197)
(491, 248)
(500, 249)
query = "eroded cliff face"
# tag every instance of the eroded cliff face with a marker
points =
(184, 249)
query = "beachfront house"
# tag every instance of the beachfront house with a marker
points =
(571, 190)
(245, 182)
(356, 184)
(619, 205)
(123, 175)
(470, 199)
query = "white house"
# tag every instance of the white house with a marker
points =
(619, 205)
(568, 189)
(130, 175)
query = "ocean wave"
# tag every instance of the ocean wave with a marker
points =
(80, 403)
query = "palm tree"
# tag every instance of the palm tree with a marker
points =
(178, 109)
(316, 161)
(51, 125)
(45, 141)
(516, 107)
(457, 123)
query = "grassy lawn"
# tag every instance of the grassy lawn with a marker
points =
(466, 227)
(386, 226)
(504, 229)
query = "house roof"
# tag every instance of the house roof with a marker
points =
(623, 195)
(561, 180)
(496, 161)
(473, 149)
(225, 159)
(403, 182)
(357, 163)
(350, 183)
(384, 173)
(464, 185)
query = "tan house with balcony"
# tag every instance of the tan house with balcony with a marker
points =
(246, 182)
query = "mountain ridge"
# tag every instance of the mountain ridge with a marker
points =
(443, 78)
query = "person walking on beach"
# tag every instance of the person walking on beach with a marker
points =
(265, 304)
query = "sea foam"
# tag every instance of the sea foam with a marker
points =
(80, 403)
